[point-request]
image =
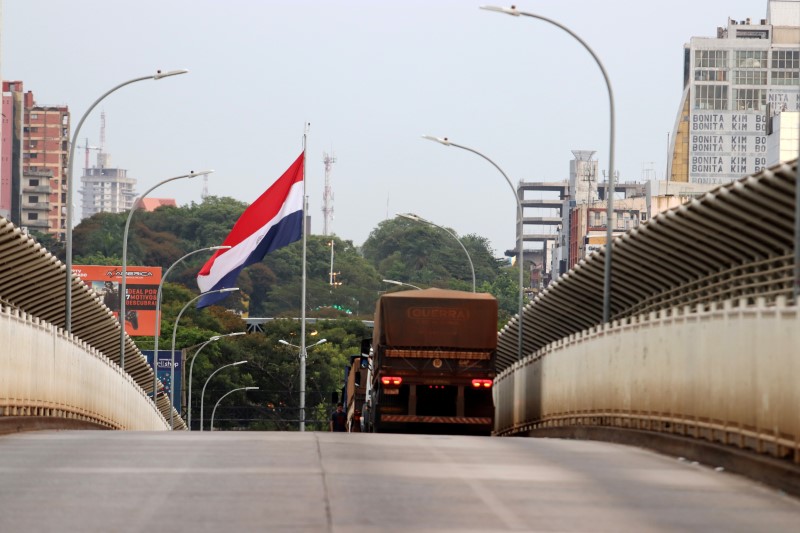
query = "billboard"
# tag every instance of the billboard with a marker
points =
(164, 374)
(141, 287)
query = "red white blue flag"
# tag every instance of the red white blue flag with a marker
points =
(274, 220)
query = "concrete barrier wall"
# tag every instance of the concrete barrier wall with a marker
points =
(730, 374)
(45, 372)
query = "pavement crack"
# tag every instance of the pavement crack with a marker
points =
(328, 515)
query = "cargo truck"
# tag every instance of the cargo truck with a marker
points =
(433, 363)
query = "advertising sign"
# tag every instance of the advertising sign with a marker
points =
(141, 287)
(164, 363)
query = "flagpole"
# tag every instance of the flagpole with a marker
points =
(303, 297)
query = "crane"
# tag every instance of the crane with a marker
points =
(87, 147)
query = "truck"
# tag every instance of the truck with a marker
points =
(432, 363)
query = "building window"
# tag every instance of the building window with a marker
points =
(780, 77)
(786, 59)
(33, 216)
(785, 65)
(751, 59)
(750, 77)
(34, 116)
(33, 199)
(750, 99)
(711, 97)
(33, 182)
(710, 59)
(710, 75)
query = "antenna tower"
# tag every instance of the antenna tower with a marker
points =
(327, 198)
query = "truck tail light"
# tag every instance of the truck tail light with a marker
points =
(391, 380)
(481, 383)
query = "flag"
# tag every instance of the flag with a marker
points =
(274, 220)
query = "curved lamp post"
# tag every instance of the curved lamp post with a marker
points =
(123, 296)
(400, 283)
(68, 238)
(202, 394)
(610, 190)
(447, 142)
(158, 312)
(191, 367)
(214, 410)
(172, 360)
(417, 218)
(303, 354)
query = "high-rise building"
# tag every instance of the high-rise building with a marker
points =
(734, 84)
(105, 189)
(45, 154)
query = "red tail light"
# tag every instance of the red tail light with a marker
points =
(481, 383)
(391, 380)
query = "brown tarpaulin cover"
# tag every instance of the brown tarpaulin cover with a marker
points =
(436, 318)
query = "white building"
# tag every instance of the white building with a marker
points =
(735, 82)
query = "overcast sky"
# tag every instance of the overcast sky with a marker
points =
(371, 77)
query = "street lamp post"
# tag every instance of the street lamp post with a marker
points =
(303, 354)
(203, 393)
(68, 237)
(520, 260)
(417, 218)
(214, 410)
(610, 190)
(123, 296)
(172, 360)
(158, 312)
(402, 284)
(191, 367)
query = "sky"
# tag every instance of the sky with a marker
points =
(370, 77)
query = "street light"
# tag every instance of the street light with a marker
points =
(610, 190)
(68, 295)
(303, 354)
(417, 218)
(214, 410)
(191, 367)
(123, 296)
(202, 394)
(158, 312)
(172, 361)
(393, 282)
(520, 260)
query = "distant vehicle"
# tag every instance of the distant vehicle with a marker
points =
(355, 390)
(433, 363)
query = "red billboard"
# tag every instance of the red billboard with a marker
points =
(141, 286)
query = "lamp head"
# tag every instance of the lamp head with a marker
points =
(193, 174)
(410, 216)
(220, 248)
(215, 338)
(250, 388)
(442, 140)
(281, 341)
(165, 74)
(229, 289)
(507, 10)
(239, 363)
(321, 341)
(236, 334)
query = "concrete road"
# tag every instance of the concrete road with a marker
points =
(102, 481)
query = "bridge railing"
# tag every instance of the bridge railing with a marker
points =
(723, 373)
(48, 373)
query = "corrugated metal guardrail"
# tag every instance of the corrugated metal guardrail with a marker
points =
(32, 282)
(727, 373)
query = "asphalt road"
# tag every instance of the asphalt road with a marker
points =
(102, 481)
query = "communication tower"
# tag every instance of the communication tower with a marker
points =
(327, 198)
